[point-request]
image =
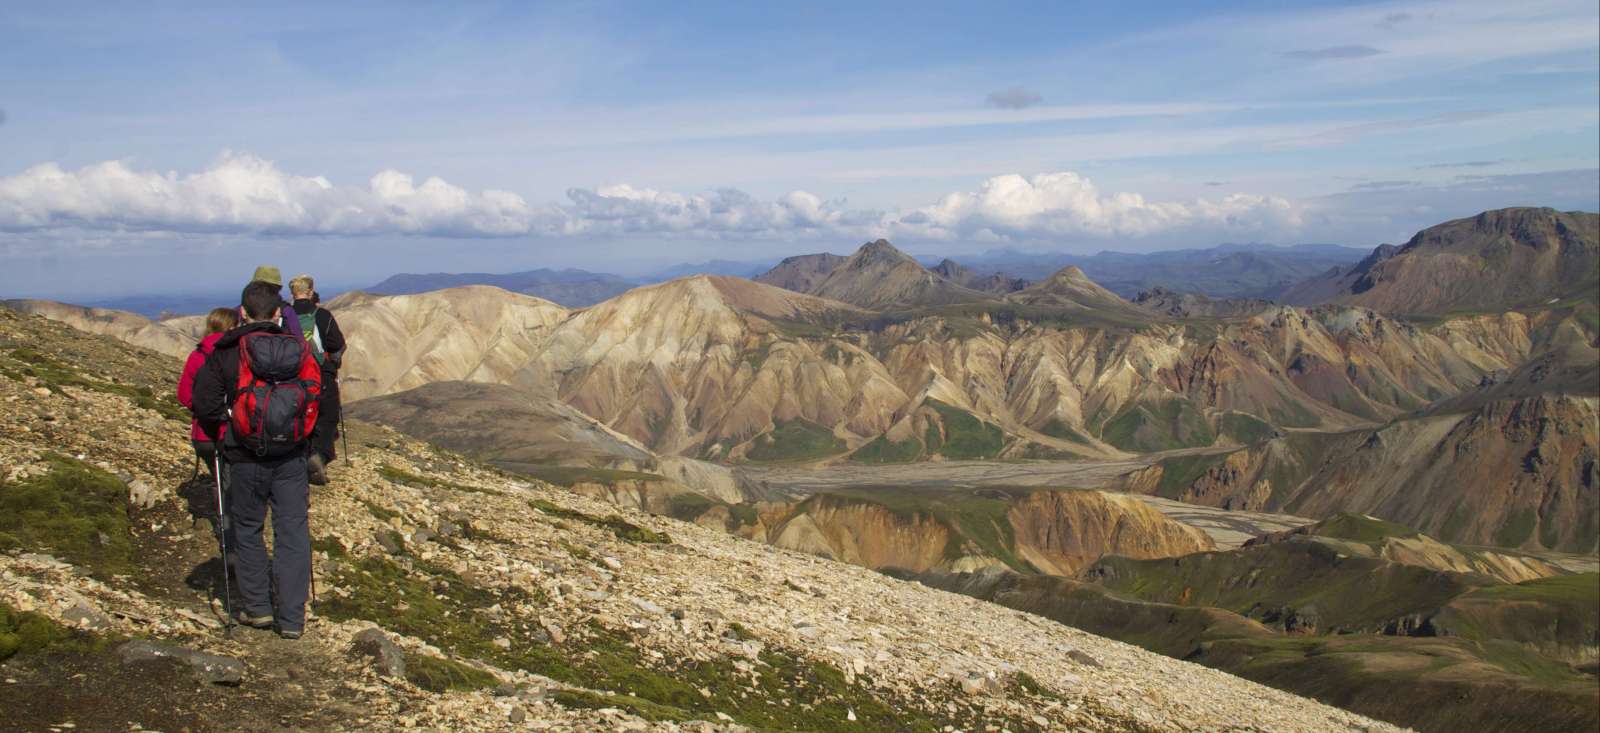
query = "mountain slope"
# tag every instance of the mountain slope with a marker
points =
(496, 604)
(475, 333)
(159, 336)
(1512, 473)
(880, 277)
(539, 437)
(1497, 260)
(998, 282)
(1070, 288)
(801, 273)
(912, 531)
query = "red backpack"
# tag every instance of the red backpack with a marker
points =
(275, 404)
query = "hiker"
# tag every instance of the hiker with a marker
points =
(270, 275)
(204, 435)
(327, 345)
(264, 383)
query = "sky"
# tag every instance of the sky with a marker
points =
(148, 148)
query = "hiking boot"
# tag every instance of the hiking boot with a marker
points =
(317, 470)
(290, 634)
(254, 622)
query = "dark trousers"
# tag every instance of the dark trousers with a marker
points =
(278, 485)
(206, 451)
(326, 432)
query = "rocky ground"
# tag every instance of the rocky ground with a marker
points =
(501, 604)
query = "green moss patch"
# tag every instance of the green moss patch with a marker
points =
(1164, 425)
(445, 675)
(883, 450)
(1055, 428)
(56, 376)
(75, 511)
(26, 632)
(1517, 528)
(623, 529)
(1246, 429)
(402, 476)
(782, 692)
(1360, 528)
(794, 440)
(965, 436)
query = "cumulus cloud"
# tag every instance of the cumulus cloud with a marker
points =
(244, 194)
(1052, 205)
(623, 209)
(1014, 98)
(1353, 51)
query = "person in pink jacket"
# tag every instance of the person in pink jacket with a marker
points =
(205, 436)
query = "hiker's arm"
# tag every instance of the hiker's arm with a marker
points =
(191, 368)
(210, 395)
(333, 341)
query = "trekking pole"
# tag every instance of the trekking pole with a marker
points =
(344, 435)
(222, 541)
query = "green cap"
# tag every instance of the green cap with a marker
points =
(267, 274)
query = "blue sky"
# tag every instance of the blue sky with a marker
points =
(142, 143)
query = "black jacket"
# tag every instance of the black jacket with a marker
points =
(332, 338)
(216, 382)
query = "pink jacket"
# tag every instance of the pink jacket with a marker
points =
(186, 385)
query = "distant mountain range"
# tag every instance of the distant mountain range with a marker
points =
(570, 287)
(1223, 271)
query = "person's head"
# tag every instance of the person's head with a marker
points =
(302, 287)
(260, 301)
(268, 274)
(221, 320)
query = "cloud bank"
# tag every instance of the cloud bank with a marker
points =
(245, 195)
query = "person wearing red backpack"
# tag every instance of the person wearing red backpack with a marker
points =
(265, 384)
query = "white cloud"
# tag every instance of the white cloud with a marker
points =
(1058, 204)
(243, 194)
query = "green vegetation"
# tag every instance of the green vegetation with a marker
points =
(402, 476)
(1361, 528)
(55, 376)
(975, 517)
(1058, 429)
(1164, 425)
(75, 511)
(382, 514)
(690, 506)
(623, 529)
(1517, 528)
(1246, 429)
(794, 440)
(26, 632)
(965, 436)
(1308, 578)
(1576, 588)
(785, 693)
(445, 675)
(883, 450)
(1180, 472)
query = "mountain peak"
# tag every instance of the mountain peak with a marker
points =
(880, 250)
